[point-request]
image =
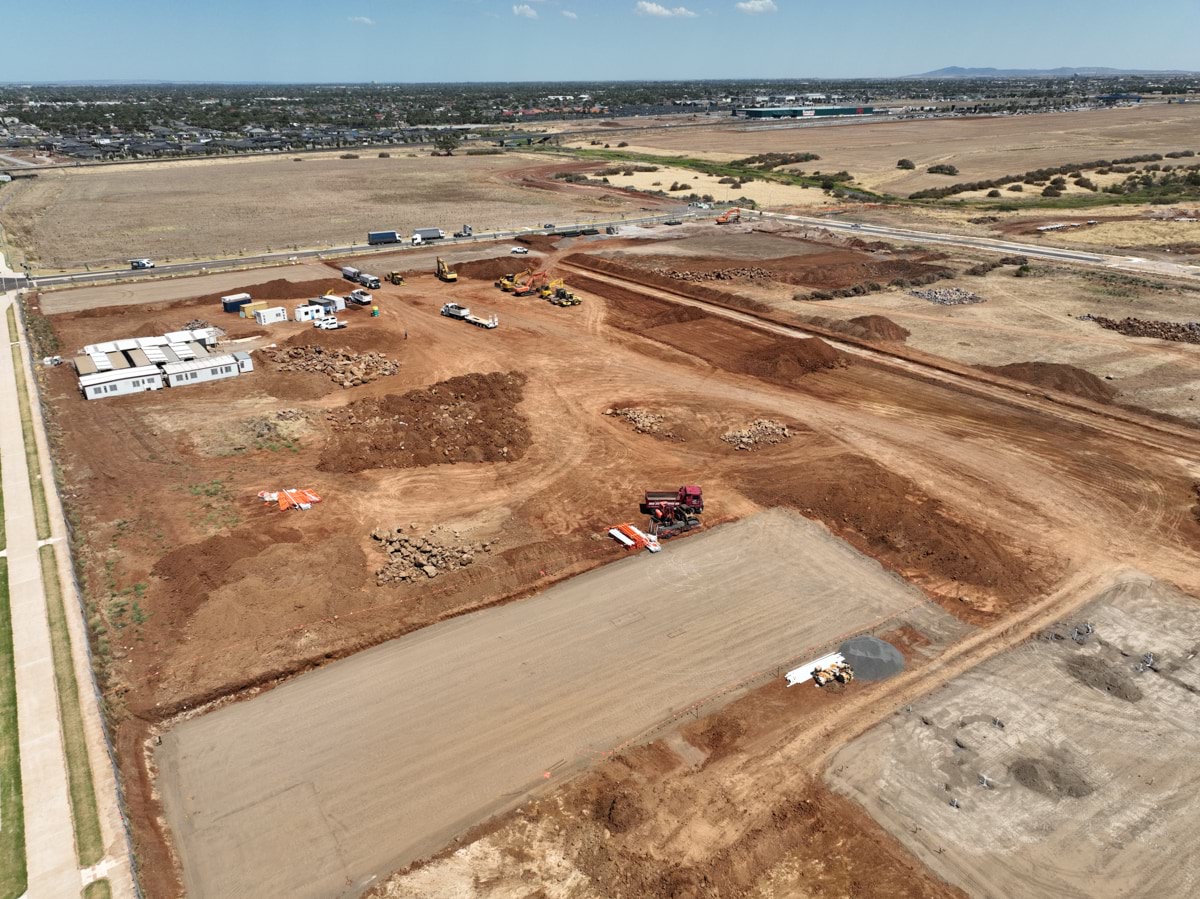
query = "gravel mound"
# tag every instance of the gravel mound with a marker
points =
(872, 658)
(948, 296)
(760, 431)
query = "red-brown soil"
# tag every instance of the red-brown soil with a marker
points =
(1056, 376)
(878, 327)
(472, 418)
(498, 266)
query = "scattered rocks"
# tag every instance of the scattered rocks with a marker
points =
(412, 558)
(948, 296)
(1181, 332)
(643, 421)
(762, 431)
(344, 368)
(751, 273)
(195, 324)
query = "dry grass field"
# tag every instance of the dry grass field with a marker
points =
(980, 148)
(228, 207)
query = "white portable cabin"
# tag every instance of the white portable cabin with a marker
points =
(306, 313)
(196, 371)
(271, 316)
(120, 382)
(244, 362)
(331, 303)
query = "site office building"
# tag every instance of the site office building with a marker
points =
(197, 371)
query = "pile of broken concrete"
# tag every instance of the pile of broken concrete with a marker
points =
(722, 274)
(1182, 332)
(413, 558)
(760, 432)
(948, 296)
(344, 368)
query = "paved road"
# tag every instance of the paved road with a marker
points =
(352, 249)
(987, 244)
(351, 771)
(49, 835)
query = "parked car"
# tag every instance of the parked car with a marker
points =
(519, 251)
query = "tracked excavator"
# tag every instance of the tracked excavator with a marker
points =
(444, 272)
(730, 217)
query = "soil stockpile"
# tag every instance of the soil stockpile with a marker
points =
(872, 658)
(1181, 332)
(282, 289)
(878, 327)
(471, 418)
(497, 266)
(1056, 376)
(344, 368)
(792, 358)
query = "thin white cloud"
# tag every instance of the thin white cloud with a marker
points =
(754, 7)
(524, 11)
(360, 20)
(569, 14)
(657, 9)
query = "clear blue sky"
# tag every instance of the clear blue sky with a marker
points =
(497, 40)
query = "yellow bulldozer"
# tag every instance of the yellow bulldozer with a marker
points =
(444, 272)
(396, 278)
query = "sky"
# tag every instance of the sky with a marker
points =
(561, 40)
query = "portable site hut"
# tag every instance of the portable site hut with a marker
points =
(120, 382)
(197, 371)
(235, 301)
(244, 362)
(306, 312)
(271, 316)
(248, 310)
(331, 303)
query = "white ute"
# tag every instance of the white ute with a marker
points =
(519, 251)
(329, 323)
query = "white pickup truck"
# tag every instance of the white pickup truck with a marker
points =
(328, 323)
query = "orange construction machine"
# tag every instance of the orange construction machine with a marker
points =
(730, 217)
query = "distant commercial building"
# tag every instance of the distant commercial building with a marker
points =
(803, 112)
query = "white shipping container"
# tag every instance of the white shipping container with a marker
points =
(306, 313)
(212, 368)
(119, 383)
(271, 316)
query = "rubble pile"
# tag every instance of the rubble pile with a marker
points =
(196, 324)
(1181, 332)
(344, 368)
(761, 431)
(643, 422)
(759, 275)
(948, 296)
(412, 558)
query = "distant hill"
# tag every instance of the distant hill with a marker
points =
(1063, 72)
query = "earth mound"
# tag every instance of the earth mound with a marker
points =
(879, 327)
(1056, 376)
(496, 266)
(789, 359)
(1051, 777)
(872, 658)
(470, 418)
(283, 289)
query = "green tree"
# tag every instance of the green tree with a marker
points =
(447, 142)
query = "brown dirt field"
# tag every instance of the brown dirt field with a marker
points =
(497, 267)
(203, 209)
(1056, 376)
(981, 148)
(973, 495)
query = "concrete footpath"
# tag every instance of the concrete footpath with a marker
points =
(49, 834)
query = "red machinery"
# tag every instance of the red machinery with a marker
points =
(673, 512)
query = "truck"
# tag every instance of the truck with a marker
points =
(137, 264)
(368, 281)
(673, 512)
(350, 274)
(424, 235)
(328, 323)
(358, 298)
(377, 238)
(467, 231)
(462, 313)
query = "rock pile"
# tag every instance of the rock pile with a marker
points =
(948, 296)
(761, 431)
(1181, 332)
(722, 274)
(344, 368)
(196, 324)
(412, 558)
(643, 422)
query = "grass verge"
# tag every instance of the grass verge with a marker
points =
(13, 874)
(88, 841)
(41, 516)
(98, 889)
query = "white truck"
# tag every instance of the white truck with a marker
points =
(136, 264)
(368, 281)
(351, 274)
(425, 235)
(359, 298)
(328, 323)
(462, 313)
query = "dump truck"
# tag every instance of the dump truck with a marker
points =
(376, 238)
(368, 281)
(444, 272)
(462, 313)
(358, 298)
(350, 274)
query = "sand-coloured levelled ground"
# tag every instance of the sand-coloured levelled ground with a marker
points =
(465, 717)
(1090, 790)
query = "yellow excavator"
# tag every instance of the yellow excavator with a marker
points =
(396, 278)
(444, 273)
(507, 282)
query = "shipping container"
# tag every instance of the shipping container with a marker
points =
(271, 316)
(249, 309)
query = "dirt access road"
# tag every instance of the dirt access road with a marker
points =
(464, 718)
